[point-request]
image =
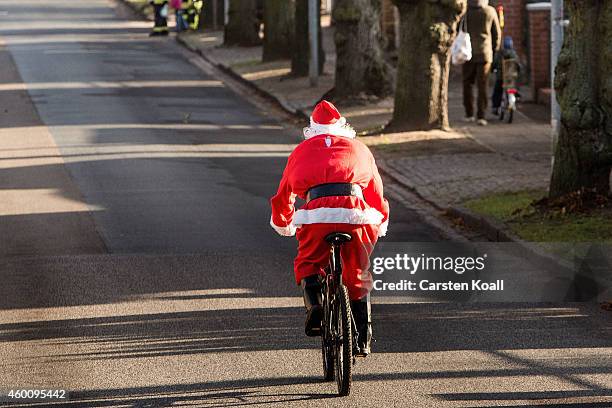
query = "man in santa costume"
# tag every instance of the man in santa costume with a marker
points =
(337, 177)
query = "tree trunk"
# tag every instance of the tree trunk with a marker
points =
(243, 26)
(209, 13)
(278, 29)
(583, 155)
(427, 30)
(301, 47)
(360, 66)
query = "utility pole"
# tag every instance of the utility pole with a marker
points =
(313, 33)
(214, 14)
(557, 24)
(225, 12)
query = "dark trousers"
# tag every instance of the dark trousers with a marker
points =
(498, 92)
(475, 72)
(161, 23)
(181, 22)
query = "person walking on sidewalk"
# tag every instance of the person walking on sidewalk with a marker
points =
(485, 34)
(160, 27)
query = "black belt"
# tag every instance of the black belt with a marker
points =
(334, 189)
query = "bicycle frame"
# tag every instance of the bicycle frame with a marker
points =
(333, 279)
(508, 104)
(335, 263)
(511, 95)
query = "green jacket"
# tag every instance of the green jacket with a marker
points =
(485, 34)
(510, 78)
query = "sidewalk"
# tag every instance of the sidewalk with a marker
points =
(444, 168)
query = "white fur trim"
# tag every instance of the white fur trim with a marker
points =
(340, 128)
(382, 229)
(326, 215)
(287, 231)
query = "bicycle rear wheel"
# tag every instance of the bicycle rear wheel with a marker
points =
(327, 339)
(344, 342)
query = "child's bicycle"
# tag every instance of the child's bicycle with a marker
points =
(338, 334)
(508, 104)
(510, 94)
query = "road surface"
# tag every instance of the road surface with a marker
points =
(138, 268)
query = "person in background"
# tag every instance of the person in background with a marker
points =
(160, 27)
(485, 34)
(193, 10)
(181, 24)
(505, 54)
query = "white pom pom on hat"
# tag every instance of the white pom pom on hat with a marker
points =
(326, 120)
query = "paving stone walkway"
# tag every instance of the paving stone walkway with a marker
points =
(450, 179)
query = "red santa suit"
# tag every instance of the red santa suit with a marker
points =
(331, 154)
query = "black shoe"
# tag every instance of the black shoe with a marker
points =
(363, 321)
(312, 301)
(314, 317)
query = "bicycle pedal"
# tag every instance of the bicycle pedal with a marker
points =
(313, 331)
(358, 352)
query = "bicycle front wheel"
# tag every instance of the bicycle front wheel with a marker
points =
(344, 342)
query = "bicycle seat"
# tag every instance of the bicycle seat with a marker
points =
(338, 238)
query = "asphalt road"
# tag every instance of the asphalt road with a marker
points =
(138, 268)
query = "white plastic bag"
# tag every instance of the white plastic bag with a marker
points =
(461, 51)
(164, 11)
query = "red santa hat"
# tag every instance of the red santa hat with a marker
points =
(327, 120)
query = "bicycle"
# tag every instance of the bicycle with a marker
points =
(508, 104)
(510, 92)
(338, 334)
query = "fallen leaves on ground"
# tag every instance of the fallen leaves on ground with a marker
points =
(582, 201)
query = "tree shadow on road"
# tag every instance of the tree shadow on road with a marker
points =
(525, 395)
(238, 327)
(166, 334)
(490, 326)
(554, 405)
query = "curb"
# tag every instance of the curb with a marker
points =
(432, 210)
(399, 179)
(279, 102)
(490, 228)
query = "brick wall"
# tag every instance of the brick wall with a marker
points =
(539, 48)
(514, 17)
